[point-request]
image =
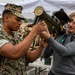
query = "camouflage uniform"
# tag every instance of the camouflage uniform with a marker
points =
(16, 10)
(7, 66)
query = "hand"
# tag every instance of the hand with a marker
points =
(38, 28)
(45, 34)
(43, 42)
(53, 35)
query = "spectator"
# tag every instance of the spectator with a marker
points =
(63, 50)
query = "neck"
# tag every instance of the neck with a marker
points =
(4, 27)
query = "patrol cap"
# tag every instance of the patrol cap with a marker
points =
(15, 9)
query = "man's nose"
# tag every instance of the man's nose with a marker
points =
(70, 23)
(19, 22)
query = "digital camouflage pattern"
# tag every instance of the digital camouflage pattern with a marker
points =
(11, 67)
(15, 9)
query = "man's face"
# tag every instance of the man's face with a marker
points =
(71, 26)
(13, 23)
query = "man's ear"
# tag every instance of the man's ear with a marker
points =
(6, 18)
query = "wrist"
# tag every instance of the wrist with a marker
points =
(48, 36)
(41, 45)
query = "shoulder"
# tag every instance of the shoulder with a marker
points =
(73, 37)
(1, 34)
(2, 38)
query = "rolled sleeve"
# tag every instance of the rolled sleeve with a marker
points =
(3, 42)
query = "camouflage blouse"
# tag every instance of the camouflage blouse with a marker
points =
(11, 67)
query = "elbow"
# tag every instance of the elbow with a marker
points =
(31, 60)
(66, 52)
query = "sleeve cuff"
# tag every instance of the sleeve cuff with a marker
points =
(50, 40)
(3, 42)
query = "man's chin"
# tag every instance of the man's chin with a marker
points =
(70, 31)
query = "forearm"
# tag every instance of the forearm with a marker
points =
(66, 50)
(15, 52)
(35, 54)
